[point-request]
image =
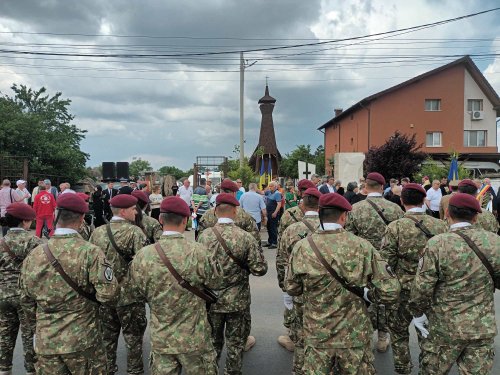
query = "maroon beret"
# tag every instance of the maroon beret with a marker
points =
(227, 184)
(377, 177)
(467, 182)
(414, 186)
(305, 184)
(21, 211)
(462, 200)
(84, 196)
(175, 205)
(225, 198)
(141, 196)
(72, 202)
(312, 191)
(123, 201)
(334, 200)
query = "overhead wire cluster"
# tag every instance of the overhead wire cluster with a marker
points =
(144, 56)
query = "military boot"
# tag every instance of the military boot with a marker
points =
(383, 341)
(286, 342)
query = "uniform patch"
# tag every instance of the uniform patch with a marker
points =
(389, 270)
(108, 273)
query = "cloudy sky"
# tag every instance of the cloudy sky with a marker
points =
(182, 100)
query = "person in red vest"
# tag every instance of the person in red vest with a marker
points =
(45, 206)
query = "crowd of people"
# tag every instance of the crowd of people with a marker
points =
(373, 257)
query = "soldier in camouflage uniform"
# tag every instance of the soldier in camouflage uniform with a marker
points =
(68, 334)
(243, 220)
(85, 229)
(402, 243)
(485, 220)
(337, 328)
(129, 317)
(445, 199)
(291, 235)
(366, 222)
(289, 217)
(230, 316)
(180, 331)
(151, 226)
(14, 247)
(452, 294)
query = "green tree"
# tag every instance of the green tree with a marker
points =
(289, 163)
(139, 166)
(245, 173)
(173, 171)
(39, 127)
(398, 157)
(436, 170)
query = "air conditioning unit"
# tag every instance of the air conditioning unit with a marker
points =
(477, 115)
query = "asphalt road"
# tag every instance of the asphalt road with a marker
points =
(268, 357)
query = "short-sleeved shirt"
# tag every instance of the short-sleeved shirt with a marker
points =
(253, 203)
(186, 194)
(434, 197)
(272, 200)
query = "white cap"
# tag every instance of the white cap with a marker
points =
(19, 182)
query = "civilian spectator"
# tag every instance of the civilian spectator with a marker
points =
(199, 203)
(444, 186)
(426, 184)
(254, 204)
(315, 180)
(443, 205)
(290, 197)
(155, 198)
(404, 181)
(214, 195)
(36, 190)
(49, 188)
(98, 206)
(186, 192)
(329, 187)
(352, 189)
(273, 206)
(433, 199)
(241, 189)
(340, 190)
(396, 196)
(7, 196)
(388, 190)
(44, 206)
(337, 185)
(124, 187)
(361, 196)
(22, 191)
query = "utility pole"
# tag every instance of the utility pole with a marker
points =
(242, 89)
(242, 121)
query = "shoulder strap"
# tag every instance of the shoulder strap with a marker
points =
(293, 217)
(355, 290)
(379, 212)
(205, 294)
(7, 249)
(229, 253)
(479, 254)
(125, 257)
(57, 266)
(308, 225)
(421, 226)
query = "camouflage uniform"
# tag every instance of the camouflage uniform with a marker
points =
(336, 323)
(85, 231)
(243, 220)
(487, 221)
(68, 332)
(20, 243)
(180, 332)
(129, 317)
(288, 239)
(152, 228)
(443, 205)
(230, 316)
(455, 291)
(402, 244)
(365, 222)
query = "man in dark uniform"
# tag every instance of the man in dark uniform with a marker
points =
(108, 194)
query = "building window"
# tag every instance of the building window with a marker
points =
(434, 139)
(474, 105)
(475, 138)
(432, 104)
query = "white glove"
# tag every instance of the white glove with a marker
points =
(365, 295)
(420, 324)
(288, 301)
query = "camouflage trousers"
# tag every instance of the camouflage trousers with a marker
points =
(297, 335)
(11, 317)
(287, 318)
(472, 357)
(195, 363)
(399, 319)
(378, 317)
(131, 319)
(345, 361)
(235, 327)
(88, 362)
